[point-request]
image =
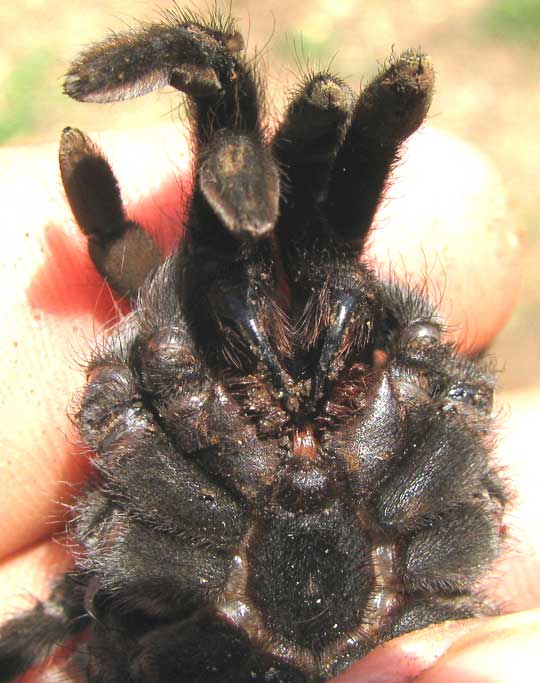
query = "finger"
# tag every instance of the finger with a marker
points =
(476, 650)
(402, 659)
(502, 650)
(514, 582)
(446, 224)
(57, 297)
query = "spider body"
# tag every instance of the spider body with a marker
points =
(291, 466)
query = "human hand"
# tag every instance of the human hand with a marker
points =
(447, 223)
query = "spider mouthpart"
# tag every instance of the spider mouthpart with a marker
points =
(291, 464)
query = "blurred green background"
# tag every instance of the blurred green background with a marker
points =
(486, 52)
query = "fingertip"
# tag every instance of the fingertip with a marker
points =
(501, 650)
(403, 659)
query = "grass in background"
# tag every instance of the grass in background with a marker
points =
(24, 94)
(517, 20)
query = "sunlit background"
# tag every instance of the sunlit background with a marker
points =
(486, 52)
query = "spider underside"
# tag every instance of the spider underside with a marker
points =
(291, 466)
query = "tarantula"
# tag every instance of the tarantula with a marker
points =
(291, 465)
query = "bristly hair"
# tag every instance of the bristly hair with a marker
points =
(213, 18)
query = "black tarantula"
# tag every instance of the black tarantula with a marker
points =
(291, 465)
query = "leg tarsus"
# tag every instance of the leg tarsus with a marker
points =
(201, 58)
(314, 123)
(305, 146)
(182, 52)
(388, 111)
(240, 181)
(127, 261)
(123, 253)
(91, 187)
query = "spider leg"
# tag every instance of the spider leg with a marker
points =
(193, 405)
(335, 288)
(417, 460)
(235, 202)
(387, 112)
(123, 253)
(202, 59)
(449, 463)
(305, 147)
(29, 638)
(182, 51)
(146, 570)
(227, 259)
(390, 109)
(150, 378)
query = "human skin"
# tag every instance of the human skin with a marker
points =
(445, 222)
